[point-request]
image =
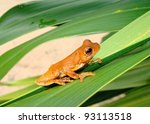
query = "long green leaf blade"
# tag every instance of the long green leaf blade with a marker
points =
(74, 94)
(138, 77)
(34, 15)
(128, 40)
(139, 97)
(141, 29)
(17, 93)
(9, 59)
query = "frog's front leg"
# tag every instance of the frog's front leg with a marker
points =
(94, 61)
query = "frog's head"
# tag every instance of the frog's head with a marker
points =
(89, 49)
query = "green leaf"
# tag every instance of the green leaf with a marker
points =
(136, 31)
(17, 93)
(25, 86)
(75, 94)
(139, 97)
(138, 76)
(63, 95)
(101, 97)
(141, 29)
(30, 16)
(23, 82)
(10, 58)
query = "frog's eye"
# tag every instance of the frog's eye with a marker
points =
(88, 50)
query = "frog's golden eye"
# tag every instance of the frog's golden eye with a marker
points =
(88, 50)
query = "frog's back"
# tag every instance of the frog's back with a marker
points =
(52, 73)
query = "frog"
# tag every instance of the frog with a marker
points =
(64, 71)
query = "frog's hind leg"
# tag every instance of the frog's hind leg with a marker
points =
(60, 81)
(49, 75)
(45, 83)
(81, 76)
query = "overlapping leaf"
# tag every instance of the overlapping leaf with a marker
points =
(34, 15)
(88, 25)
(74, 94)
(139, 76)
(68, 95)
(134, 98)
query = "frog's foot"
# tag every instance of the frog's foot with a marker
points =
(60, 81)
(85, 74)
(66, 79)
(96, 60)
